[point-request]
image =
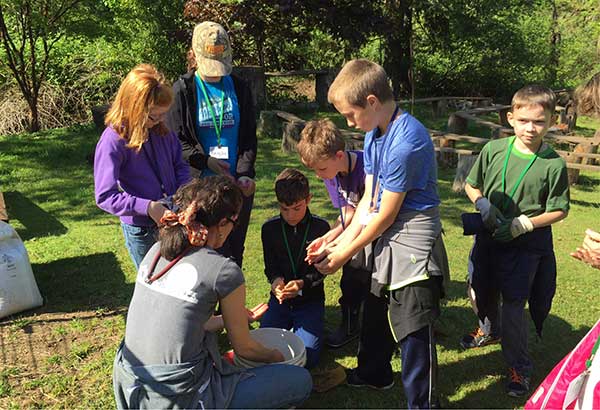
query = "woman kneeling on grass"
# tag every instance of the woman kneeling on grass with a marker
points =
(170, 357)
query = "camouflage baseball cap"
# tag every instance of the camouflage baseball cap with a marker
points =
(212, 48)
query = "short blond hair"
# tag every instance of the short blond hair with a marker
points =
(319, 140)
(587, 97)
(357, 80)
(141, 90)
(534, 95)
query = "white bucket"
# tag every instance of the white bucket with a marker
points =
(288, 343)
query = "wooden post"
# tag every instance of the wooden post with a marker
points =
(502, 115)
(269, 124)
(3, 212)
(291, 135)
(255, 77)
(447, 159)
(465, 163)
(572, 173)
(438, 107)
(323, 81)
(456, 124)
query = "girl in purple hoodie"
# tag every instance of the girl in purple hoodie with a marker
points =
(138, 160)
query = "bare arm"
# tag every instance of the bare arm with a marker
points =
(355, 227)
(236, 323)
(214, 324)
(548, 218)
(472, 192)
(390, 205)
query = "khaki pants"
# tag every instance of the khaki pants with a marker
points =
(3, 213)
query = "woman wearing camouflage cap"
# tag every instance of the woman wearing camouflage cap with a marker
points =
(214, 118)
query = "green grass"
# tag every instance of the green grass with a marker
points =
(86, 277)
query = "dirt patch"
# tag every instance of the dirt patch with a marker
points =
(57, 359)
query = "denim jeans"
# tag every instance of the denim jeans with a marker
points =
(274, 386)
(306, 320)
(139, 240)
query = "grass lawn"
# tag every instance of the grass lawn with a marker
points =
(60, 355)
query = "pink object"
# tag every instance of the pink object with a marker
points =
(568, 385)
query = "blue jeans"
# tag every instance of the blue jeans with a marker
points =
(139, 240)
(305, 320)
(274, 386)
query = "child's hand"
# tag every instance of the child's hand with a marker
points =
(511, 229)
(247, 185)
(218, 166)
(491, 216)
(315, 250)
(256, 312)
(330, 263)
(277, 287)
(291, 290)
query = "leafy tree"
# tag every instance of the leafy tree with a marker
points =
(29, 29)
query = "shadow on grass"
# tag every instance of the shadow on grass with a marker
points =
(82, 283)
(36, 221)
(477, 365)
(480, 371)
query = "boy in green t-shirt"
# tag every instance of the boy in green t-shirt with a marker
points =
(520, 187)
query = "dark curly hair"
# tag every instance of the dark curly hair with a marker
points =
(218, 197)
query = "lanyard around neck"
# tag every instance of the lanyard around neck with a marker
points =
(153, 162)
(294, 262)
(212, 111)
(151, 278)
(521, 176)
(340, 196)
(375, 184)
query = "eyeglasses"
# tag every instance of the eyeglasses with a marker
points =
(234, 222)
(157, 118)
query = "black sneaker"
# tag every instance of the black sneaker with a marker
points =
(352, 379)
(478, 339)
(517, 384)
(340, 337)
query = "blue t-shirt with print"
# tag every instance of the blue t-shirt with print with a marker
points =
(403, 160)
(218, 93)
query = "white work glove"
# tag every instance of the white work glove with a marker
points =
(511, 229)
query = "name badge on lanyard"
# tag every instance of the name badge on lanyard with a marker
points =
(219, 152)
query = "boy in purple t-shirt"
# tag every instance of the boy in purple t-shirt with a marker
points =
(322, 148)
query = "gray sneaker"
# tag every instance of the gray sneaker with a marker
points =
(478, 339)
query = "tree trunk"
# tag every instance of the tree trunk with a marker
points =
(34, 115)
(398, 60)
(465, 163)
(554, 44)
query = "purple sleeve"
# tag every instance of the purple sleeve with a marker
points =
(108, 159)
(334, 195)
(182, 168)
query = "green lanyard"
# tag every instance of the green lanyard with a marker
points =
(520, 179)
(212, 112)
(293, 262)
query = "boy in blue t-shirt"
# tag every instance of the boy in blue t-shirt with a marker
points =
(398, 221)
(323, 149)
